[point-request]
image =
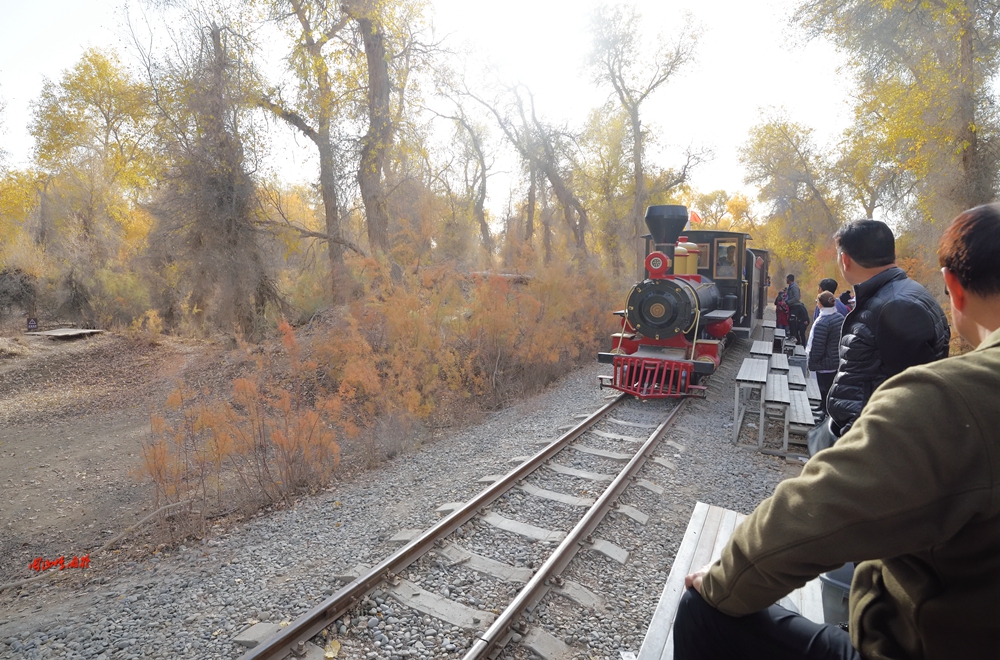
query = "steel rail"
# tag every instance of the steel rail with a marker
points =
(289, 639)
(538, 585)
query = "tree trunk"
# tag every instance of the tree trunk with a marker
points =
(529, 227)
(546, 228)
(328, 190)
(977, 185)
(375, 144)
(640, 186)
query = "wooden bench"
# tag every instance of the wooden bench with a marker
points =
(761, 349)
(799, 358)
(780, 338)
(796, 381)
(778, 401)
(707, 534)
(752, 376)
(769, 323)
(779, 363)
(812, 390)
(800, 415)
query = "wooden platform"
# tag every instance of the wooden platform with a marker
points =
(65, 333)
(707, 533)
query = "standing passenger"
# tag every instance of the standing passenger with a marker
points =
(830, 284)
(781, 311)
(824, 344)
(896, 323)
(798, 315)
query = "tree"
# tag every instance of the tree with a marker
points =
(795, 182)
(474, 166)
(314, 28)
(208, 206)
(544, 148)
(619, 61)
(606, 169)
(713, 208)
(925, 72)
(94, 134)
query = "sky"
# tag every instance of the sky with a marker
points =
(748, 64)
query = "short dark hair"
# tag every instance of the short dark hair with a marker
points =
(825, 299)
(828, 284)
(969, 249)
(868, 242)
(789, 278)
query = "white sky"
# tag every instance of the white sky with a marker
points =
(745, 65)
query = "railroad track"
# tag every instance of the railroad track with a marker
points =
(482, 518)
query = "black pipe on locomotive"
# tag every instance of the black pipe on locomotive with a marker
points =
(663, 306)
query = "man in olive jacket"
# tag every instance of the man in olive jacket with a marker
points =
(913, 488)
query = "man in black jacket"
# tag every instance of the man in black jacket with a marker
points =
(895, 324)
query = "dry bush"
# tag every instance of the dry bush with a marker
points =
(146, 329)
(271, 442)
(518, 339)
(425, 350)
(10, 348)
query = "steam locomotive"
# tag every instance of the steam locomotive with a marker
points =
(702, 290)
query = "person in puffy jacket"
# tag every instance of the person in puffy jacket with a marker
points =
(895, 323)
(823, 347)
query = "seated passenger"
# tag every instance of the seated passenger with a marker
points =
(913, 488)
(726, 266)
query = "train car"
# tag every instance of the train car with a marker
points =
(702, 290)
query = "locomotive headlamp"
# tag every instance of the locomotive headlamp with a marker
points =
(658, 265)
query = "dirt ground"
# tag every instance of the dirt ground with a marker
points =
(73, 417)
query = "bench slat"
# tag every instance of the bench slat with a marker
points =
(662, 622)
(800, 412)
(777, 389)
(710, 528)
(703, 554)
(812, 389)
(726, 529)
(761, 348)
(752, 371)
(779, 362)
(796, 380)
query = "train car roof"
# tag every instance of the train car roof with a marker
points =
(715, 232)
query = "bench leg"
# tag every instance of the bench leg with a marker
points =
(763, 406)
(738, 412)
(784, 443)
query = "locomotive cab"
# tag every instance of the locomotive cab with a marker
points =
(701, 289)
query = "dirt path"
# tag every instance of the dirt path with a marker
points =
(73, 416)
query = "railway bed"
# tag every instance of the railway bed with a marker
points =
(276, 567)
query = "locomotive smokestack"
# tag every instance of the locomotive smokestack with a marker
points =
(665, 223)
